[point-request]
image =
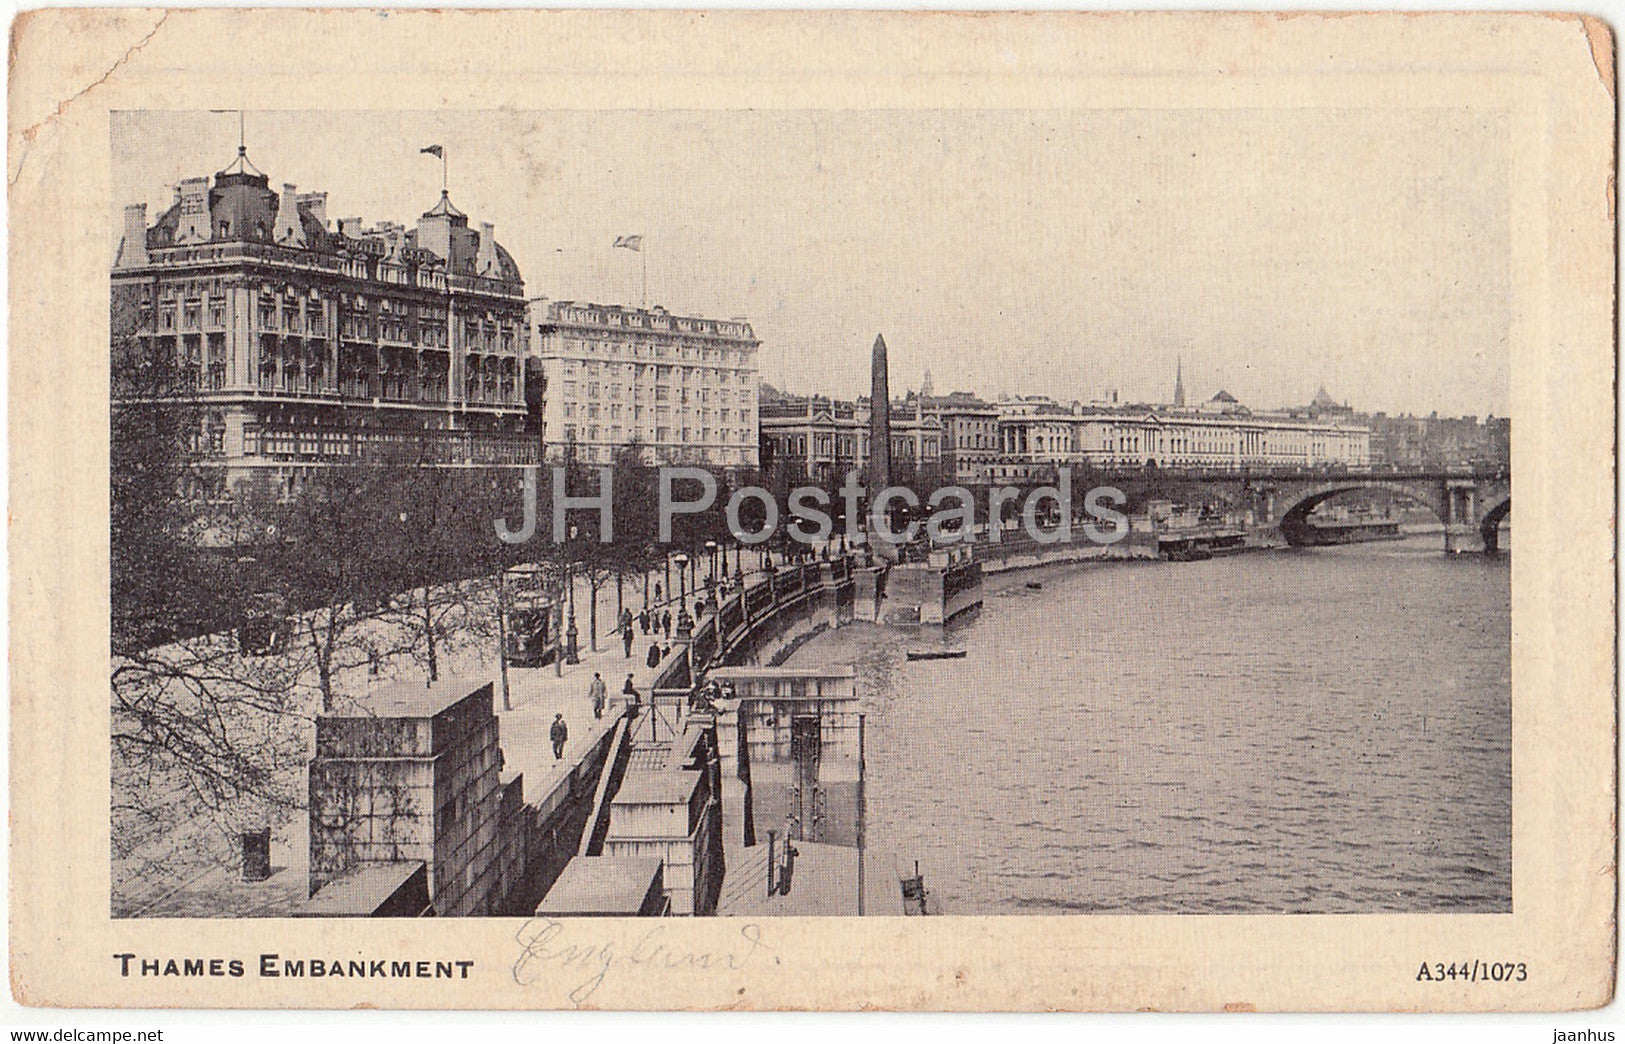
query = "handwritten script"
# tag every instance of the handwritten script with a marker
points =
(575, 948)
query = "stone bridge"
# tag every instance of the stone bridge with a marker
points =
(1469, 504)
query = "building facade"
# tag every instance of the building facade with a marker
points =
(683, 388)
(303, 342)
(826, 438)
(971, 440)
(1440, 442)
(1220, 433)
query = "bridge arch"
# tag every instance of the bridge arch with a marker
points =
(1490, 527)
(1297, 504)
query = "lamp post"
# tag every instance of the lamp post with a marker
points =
(571, 655)
(711, 560)
(685, 623)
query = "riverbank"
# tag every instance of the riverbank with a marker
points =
(1317, 731)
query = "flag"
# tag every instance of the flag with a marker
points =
(630, 242)
(434, 150)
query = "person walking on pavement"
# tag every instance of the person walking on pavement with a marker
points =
(665, 622)
(643, 620)
(558, 734)
(626, 638)
(625, 619)
(599, 693)
(653, 659)
(634, 703)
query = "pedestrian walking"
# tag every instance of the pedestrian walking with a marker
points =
(626, 638)
(653, 659)
(643, 620)
(665, 623)
(599, 693)
(558, 734)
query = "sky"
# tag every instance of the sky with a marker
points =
(1060, 252)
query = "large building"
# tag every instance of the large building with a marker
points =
(971, 441)
(825, 438)
(1440, 442)
(1039, 434)
(303, 341)
(682, 388)
(1221, 433)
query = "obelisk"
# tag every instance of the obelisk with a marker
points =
(879, 450)
(879, 421)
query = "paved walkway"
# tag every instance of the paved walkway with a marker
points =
(824, 883)
(535, 694)
(538, 693)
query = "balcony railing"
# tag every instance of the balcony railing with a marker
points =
(450, 448)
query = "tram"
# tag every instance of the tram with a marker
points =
(532, 634)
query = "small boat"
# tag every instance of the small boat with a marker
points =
(917, 899)
(1034, 585)
(946, 654)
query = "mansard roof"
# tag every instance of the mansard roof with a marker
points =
(243, 208)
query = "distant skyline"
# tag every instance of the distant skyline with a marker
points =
(1065, 253)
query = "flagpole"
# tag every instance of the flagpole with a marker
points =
(645, 260)
(444, 182)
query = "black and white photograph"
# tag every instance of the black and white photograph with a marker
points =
(1146, 594)
(949, 513)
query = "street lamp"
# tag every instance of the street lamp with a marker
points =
(711, 559)
(685, 622)
(682, 562)
(572, 655)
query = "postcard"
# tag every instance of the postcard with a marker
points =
(821, 510)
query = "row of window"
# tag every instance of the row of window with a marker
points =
(339, 444)
(569, 391)
(658, 371)
(647, 320)
(616, 347)
(592, 411)
(827, 447)
(657, 435)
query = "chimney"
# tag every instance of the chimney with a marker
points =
(486, 261)
(316, 203)
(350, 226)
(132, 252)
(289, 230)
(193, 226)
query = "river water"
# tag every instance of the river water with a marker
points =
(1310, 731)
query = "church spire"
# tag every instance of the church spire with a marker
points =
(1179, 381)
